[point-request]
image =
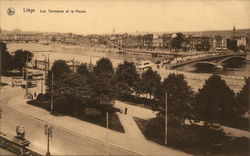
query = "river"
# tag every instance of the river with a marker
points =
(80, 54)
(87, 55)
(236, 68)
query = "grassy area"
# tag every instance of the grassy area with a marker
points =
(239, 123)
(195, 140)
(114, 122)
(141, 102)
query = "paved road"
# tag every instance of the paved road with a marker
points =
(63, 142)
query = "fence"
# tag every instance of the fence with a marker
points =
(7, 143)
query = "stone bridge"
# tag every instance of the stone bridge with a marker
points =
(212, 59)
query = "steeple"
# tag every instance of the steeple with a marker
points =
(234, 32)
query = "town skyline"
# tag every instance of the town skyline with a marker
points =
(127, 17)
(16, 31)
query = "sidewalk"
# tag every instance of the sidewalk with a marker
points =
(131, 128)
(126, 141)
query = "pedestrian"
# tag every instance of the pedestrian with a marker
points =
(126, 110)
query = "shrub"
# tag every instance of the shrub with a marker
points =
(42, 97)
(92, 112)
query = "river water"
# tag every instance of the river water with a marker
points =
(80, 54)
(87, 55)
(236, 68)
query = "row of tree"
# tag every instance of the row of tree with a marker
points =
(100, 85)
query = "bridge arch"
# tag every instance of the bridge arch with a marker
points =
(225, 59)
(205, 62)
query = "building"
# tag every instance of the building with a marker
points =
(166, 41)
(130, 41)
(242, 41)
(247, 41)
(157, 42)
(148, 41)
(220, 43)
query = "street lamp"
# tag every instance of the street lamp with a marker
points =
(166, 120)
(48, 132)
(52, 93)
(107, 125)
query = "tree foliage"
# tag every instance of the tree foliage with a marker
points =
(204, 45)
(176, 42)
(243, 99)
(104, 65)
(59, 67)
(22, 57)
(151, 81)
(103, 81)
(214, 102)
(6, 58)
(82, 69)
(179, 99)
(125, 78)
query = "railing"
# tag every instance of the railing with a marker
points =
(202, 58)
(7, 144)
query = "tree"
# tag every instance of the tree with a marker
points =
(214, 102)
(176, 41)
(103, 81)
(82, 69)
(22, 57)
(125, 78)
(243, 99)
(180, 98)
(6, 58)
(139, 86)
(232, 44)
(104, 65)
(59, 67)
(204, 45)
(73, 93)
(151, 80)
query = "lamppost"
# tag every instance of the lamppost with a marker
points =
(166, 120)
(52, 93)
(107, 126)
(48, 133)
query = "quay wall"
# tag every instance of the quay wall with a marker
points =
(197, 80)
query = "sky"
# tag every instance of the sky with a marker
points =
(102, 16)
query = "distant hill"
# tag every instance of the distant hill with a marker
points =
(226, 33)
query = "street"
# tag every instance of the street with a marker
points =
(63, 141)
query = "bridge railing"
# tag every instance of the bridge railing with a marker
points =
(199, 58)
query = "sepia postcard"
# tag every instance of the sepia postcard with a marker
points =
(125, 77)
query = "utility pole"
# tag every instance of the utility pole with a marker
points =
(26, 76)
(42, 87)
(48, 63)
(166, 120)
(73, 63)
(52, 93)
(107, 124)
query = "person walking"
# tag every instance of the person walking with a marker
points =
(126, 110)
